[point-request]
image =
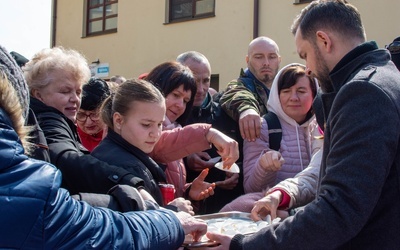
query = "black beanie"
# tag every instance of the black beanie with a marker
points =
(16, 78)
(396, 57)
(93, 93)
(20, 59)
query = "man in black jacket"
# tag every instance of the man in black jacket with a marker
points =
(357, 203)
(206, 110)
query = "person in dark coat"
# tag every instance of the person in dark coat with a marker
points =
(35, 213)
(357, 202)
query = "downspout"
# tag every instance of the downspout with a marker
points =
(256, 18)
(53, 24)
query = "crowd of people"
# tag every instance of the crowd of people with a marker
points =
(87, 161)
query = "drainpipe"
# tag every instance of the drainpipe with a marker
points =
(53, 24)
(256, 18)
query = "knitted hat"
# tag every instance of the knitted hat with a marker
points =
(16, 78)
(93, 93)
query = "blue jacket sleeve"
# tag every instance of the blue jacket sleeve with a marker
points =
(70, 224)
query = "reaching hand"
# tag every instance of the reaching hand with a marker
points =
(271, 161)
(198, 161)
(182, 205)
(266, 205)
(223, 240)
(191, 225)
(230, 182)
(200, 189)
(250, 125)
(227, 148)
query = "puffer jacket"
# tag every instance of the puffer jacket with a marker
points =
(298, 144)
(303, 187)
(35, 213)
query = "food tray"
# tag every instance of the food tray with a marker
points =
(188, 243)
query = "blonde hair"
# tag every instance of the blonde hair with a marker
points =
(10, 103)
(38, 71)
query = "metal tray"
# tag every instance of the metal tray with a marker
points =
(188, 243)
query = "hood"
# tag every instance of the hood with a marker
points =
(274, 105)
(11, 150)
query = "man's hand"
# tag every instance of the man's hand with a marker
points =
(200, 189)
(191, 225)
(266, 205)
(271, 161)
(223, 240)
(230, 182)
(198, 161)
(227, 148)
(250, 125)
(182, 205)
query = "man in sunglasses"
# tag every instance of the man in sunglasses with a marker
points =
(394, 49)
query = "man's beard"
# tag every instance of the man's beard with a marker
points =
(322, 73)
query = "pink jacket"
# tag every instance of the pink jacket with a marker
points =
(191, 139)
(175, 171)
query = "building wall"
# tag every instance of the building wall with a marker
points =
(144, 40)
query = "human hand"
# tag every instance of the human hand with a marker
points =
(200, 189)
(227, 148)
(223, 240)
(266, 205)
(191, 225)
(250, 125)
(230, 182)
(271, 161)
(182, 205)
(198, 161)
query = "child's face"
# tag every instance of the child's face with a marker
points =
(176, 102)
(142, 125)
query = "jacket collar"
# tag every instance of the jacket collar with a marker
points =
(155, 169)
(364, 54)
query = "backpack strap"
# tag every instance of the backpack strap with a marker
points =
(274, 130)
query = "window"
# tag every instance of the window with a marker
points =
(102, 16)
(184, 10)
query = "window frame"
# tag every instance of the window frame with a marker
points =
(103, 18)
(302, 1)
(194, 16)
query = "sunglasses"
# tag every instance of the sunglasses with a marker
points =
(394, 47)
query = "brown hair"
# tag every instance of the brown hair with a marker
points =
(289, 77)
(334, 15)
(127, 92)
(171, 75)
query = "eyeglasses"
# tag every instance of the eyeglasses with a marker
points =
(82, 117)
(394, 47)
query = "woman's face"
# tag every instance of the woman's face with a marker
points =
(296, 101)
(63, 93)
(142, 125)
(176, 102)
(89, 121)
